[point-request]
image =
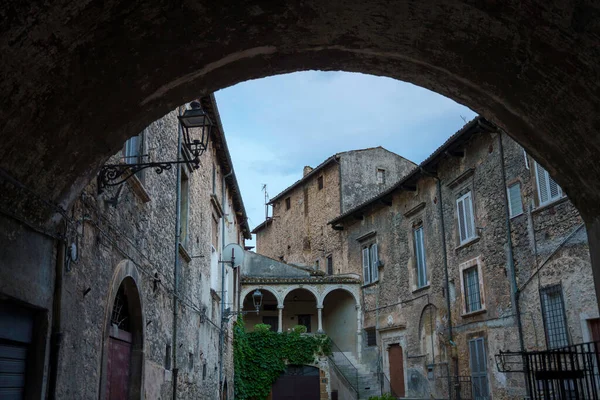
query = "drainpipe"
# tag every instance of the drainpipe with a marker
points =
(176, 266)
(446, 278)
(222, 332)
(514, 292)
(56, 337)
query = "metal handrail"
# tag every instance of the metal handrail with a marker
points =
(346, 363)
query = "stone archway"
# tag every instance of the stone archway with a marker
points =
(123, 339)
(340, 319)
(530, 67)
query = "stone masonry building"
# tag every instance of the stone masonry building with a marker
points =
(473, 252)
(126, 306)
(297, 230)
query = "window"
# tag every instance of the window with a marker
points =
(204, 371)
(288, 203)
(420, 257)
(548, 189)
(478, 364)
(371, 337)
(380, 176)
(214, 179)
(526, 159)
(553, 312)
(184, 208)
(515, 203)
(370, 258)
(471, 289)
(329, 265)
(133, 149)
(320, 182)
(317, 265)
(466, 221)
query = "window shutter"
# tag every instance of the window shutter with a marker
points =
(555, 190)
(420, 257)
(461, 220)
(366, 272)
(470, 228)
(374, 263)
(542, 183)
(515, 204)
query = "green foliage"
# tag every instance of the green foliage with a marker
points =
(299, 329)
(385, 396)
(261, 356)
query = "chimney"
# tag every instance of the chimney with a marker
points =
(307, 170)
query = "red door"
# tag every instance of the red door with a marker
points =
(119, 363)
(396, 370)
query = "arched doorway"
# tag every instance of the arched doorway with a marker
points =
(300, 308)
(267, 314)
(123, 355)
(339, 319)
(396, 358)
(297, 382)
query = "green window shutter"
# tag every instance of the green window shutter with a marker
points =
(515, 203)
(374, 263)
(366, 272)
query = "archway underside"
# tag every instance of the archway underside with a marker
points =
(74, 91)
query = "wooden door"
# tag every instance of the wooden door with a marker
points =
(119, 365)
(595, 329)
(396, 370)
(478, 363)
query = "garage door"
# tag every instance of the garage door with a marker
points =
(298, 382)
(16, 329)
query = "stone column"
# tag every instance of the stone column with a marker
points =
(320, 319)
(358, 334)
(280, 320)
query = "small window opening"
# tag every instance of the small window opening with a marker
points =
(380, 176)
(288, 203)
(320, 182)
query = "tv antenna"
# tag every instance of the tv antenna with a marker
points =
(264, 189)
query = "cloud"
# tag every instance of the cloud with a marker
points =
(277, 125)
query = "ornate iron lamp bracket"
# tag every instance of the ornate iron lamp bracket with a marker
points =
(116, 174)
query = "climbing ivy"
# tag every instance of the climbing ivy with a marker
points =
(261, 356)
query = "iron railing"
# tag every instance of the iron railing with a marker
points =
(461, 388)
(344, 367)
(565, 373)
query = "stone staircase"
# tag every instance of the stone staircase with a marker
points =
(359, 376)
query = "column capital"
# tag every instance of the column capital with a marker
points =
(280, 306)
(320, 307)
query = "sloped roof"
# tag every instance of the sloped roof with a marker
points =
(472, 127)
(209, 104)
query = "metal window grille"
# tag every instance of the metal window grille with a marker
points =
(472, 294)
(420, 257)
(553, 311)
(371, 337)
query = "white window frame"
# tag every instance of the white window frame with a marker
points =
(370, 262)
(475, 262)
(467, 217)
(544, 182)
(511, 211)
(420, 257)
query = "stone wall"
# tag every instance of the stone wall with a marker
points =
(367, 172)
(127, 234)
(550, 239)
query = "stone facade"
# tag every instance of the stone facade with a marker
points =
(549, 248)
(115, 276)
(297, 232)
(500, 243)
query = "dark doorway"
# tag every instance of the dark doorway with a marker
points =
(298, 382)
(272, 322)
(396, 370)
(304, 319)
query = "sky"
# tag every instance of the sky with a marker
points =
(275, 126)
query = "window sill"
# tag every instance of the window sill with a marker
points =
(550, 204)
(473, 313)
(139, 189)
(517, 215)
(366, 285)
(184, 253)
(422, 288)
(468, 243)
